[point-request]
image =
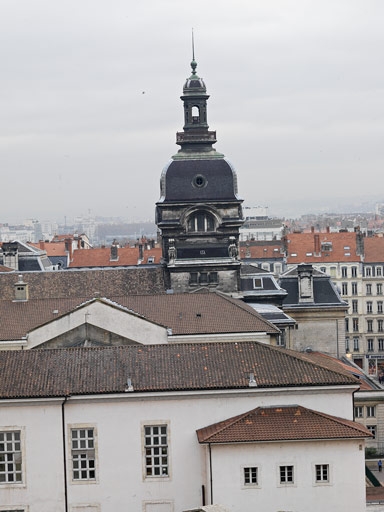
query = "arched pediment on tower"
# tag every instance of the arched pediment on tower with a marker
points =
(200, 219)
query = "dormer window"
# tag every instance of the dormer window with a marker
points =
(326, 246)
(200, 222)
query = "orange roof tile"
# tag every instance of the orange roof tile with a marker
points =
(374, 249)
(283, 423)
(101, 257)
(305, 247)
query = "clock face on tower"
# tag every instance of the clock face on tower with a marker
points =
(199, 181)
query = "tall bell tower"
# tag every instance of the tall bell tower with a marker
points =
(199, 212)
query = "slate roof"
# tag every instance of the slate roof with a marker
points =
(156, 368)
(178, 175)
(324, 290)
(283, 423)
(200, 313)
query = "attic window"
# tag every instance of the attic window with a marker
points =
(275, 250)
(293, 254)
(347, 254)
(326, 246)
(151, 259)
(257, 282)
(346, 248)
(308, 254)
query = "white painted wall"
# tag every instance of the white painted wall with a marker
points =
(104, 316)
(118, 420)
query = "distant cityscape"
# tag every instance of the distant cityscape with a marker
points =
(102, 231)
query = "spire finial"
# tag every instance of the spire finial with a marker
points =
(193, 63)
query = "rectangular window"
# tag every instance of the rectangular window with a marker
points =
(371, 411)
(372, 429)
(369, 289)
(354, 288)
(354, 306)
(356, 344)
(322, 473)
(347, 344)
(370, 343)
(344, 272)
(354, 271)
(355, 324)
(344, 288)
(368, 271)
(257, 282)
(193, 278)
(286, 474)
(156, 450)
(380, 325)
(379, 271)
(203, 278)
(379, 288)
(369, 325)
(83, 454)
(380, 342)
(369, 307)
(213, 277)
(250, 476)
(10, 457)
(347, 325)
(358, 411)
(379, 306)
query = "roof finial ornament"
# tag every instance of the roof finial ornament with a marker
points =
(193, 63)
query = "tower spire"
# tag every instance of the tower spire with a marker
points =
(193, 63)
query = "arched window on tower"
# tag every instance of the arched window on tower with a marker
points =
(195, 115)
(201, 222)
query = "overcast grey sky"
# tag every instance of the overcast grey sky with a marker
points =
(90, 101)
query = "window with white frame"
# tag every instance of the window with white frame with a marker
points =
(354, 288)
(355, 305)
(379, 289)
(344, 272)
(250, 475)
(83, 454)
(10, 457)
(379, 306)
(156, 450)
(369, 325)
(347, 344)
(379, 271)
(355, 324)
(321, 473)
(380, 325)
(368, 271)
(344, 288)
(368, 289)
(380, 342)
(354, 271)
(372, 429)
(286, 475)
(371, 411)
(257, 282)
(358, 411)
(369, 306)
(370, 345)
(356, 344)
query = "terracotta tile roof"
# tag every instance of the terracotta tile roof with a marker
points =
(339, 365)
(154, 368)
(101, 257)
(205, 313)
(285, 423)
(303, 247)
(52, 248)
(374, 249)
(86, 283)
(261, 250)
